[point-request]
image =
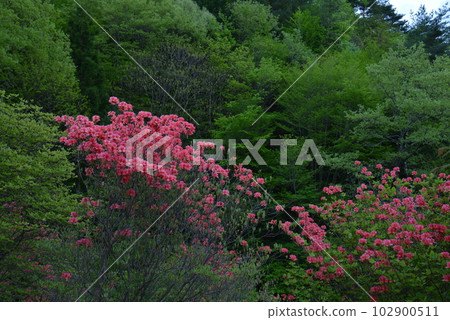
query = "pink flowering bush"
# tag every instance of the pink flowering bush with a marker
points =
(203, 248)
(392, 237)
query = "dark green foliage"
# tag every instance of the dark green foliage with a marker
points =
(170, 48)
(432, 29)
(83, 40)
(214, 6)
(379, 28)
(312, 31)
(335, 16)
(284, 9)
(382, 10)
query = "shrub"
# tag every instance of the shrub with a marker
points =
(392, 239)
(191, 226)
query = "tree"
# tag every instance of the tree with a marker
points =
(172, 48)
(34, 195)
(381, 10)
(379, 28)
(412, 122)
(432, 29)
(284, 9)
(316, 106)
(335, 16)
(313, 33)
(35, 57)
(214, 6)
(251, 19)
(84, 43)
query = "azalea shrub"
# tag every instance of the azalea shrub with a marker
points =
(191, 223)
(389, 242)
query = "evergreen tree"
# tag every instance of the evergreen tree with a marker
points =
(432, 29)
(411, 123)
(380, 28)
(382, 10)
(83, 34)
(285, 9)
(214, 6)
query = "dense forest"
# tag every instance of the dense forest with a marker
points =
(82, 221)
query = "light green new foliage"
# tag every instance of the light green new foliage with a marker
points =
(33, 175)
(412, 122)
(35, 57)
(310, 29)
(30, 155)
(33, 169)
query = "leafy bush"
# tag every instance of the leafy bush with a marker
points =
(391, 239)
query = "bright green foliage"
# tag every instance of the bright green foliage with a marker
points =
(312, 31)
(240, 126)
(35, 57)
(251, 19)
(160, 17)
(411, 123)
(33, 171)
(32, 167)
(316, 104)
(314, 108)
(149, 20)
